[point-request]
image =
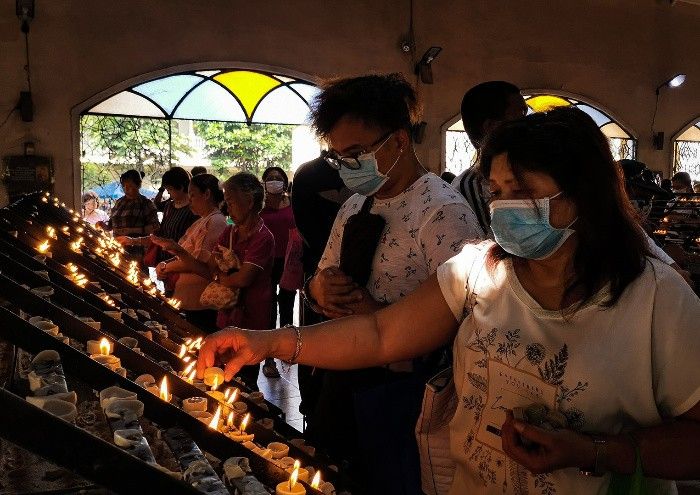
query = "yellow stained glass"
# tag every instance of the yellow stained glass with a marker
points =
(542, 103)
(249, 87)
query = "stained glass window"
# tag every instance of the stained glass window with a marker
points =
(226, 95)
(460, 154)
(686, 152)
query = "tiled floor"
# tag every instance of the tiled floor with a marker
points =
(284, 392)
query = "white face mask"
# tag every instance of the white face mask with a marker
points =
(274, 186)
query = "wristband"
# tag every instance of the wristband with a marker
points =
(297, 347)
(306, 294)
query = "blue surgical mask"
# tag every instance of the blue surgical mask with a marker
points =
(522, 228)
(367, 179)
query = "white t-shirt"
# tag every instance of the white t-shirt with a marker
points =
(426, 225)
(608, 370)
(95, 216)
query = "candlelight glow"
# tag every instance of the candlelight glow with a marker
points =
(147, 282)
(229, 420)
(183, 351)
(189, 368)
(191, 376)
(80, 230)
(244, 423)
(104, 346)
(65, 229)
(72, 267)
(297, 465)
(51, 232)
(215, 420)
(75, 246)
(227, 393)
(164, 390)
(175, 303)
(316, 482)
(43, 247)
(215, 385)
(187, 359)
(115, 259)
(294, 477)
(233, 397)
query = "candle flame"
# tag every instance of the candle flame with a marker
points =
(65, 229)
(215, 420)
(43, 247)
(189, 368)
(51, 232)
(191, 376)
(229, 420)
(198, 342)
(183, 351)
(316, 482)
(227, 393)
(187, 359)
(297, 464)
(164, 389)
(294, 477)
(215, 385)
(104, 346)
(175, 303)
(244, 423)
(233, 396)
(147, 282)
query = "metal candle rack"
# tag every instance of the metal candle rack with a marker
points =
(20, 265)
(22, 334)
(29, 233)
(37, 431)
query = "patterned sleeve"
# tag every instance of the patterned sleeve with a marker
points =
(151, 217)
(331, 254)
(675, 344)
(445, 232)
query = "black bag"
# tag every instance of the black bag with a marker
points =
(361, 236)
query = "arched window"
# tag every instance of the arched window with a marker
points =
(224, 119)
(686, 151)
(460, 154)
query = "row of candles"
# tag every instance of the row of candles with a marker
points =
(228, 398)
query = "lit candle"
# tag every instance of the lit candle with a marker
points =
(183, 351)
(232, 398)
(43, 247)
(189, 368)
(240, 435)
(291, 487)
(213, 377)
(316, 482)
(104, 357)
(164, 390)
(303, 474)
(214, 424)
(192, 376)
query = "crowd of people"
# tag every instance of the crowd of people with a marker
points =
(531, 275)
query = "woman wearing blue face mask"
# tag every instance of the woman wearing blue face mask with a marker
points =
(567, 320)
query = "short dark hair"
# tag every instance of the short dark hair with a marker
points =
(207, 182)
(176, 177)
(285, 178)
(683, 178)
(566, 144)
(247, 183)
(488, 100)
(447, 176)
(88, 195)
(198, 170)
(132, 175)
(386, 101)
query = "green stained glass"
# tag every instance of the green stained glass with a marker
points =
(249, 87)
(209, 101)
(168, 91)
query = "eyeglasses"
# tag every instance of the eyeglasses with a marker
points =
(335, 161)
